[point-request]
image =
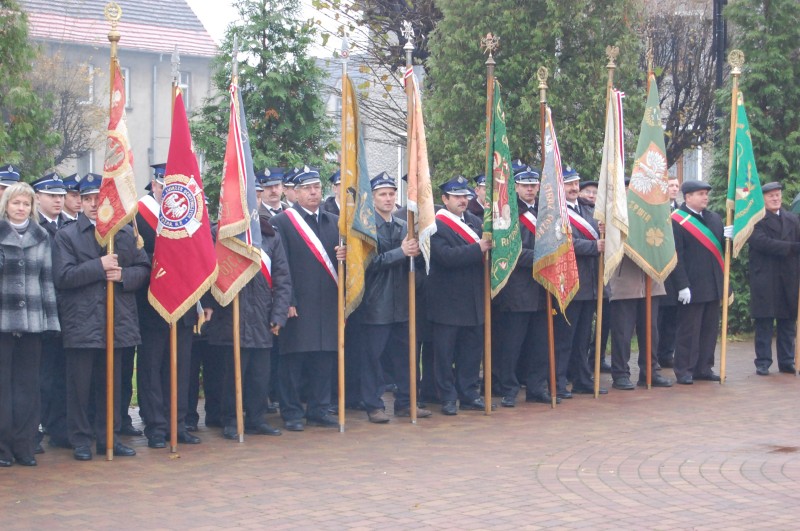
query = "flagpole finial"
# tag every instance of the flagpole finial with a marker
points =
(541, 74)
(235, 58)
(736, 60)
(176, 65)
(408, 35)
(612, 52)
(649, 53)
(113, 14)
(490, 44)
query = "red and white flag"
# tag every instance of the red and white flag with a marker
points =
(184, 262)
(118, 201)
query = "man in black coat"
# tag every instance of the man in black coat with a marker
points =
(475, 206)
(310, 237)
(573, 330)
(774, 271)
(698, 279)
(455, 299)
(519, 320)
(668, 305)
(271, 182)
(331, 204)
(81, 269)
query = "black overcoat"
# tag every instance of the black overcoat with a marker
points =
(774, 248)
(697, 269)
(586, 256)
(521, 293)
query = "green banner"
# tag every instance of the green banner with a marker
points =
(744, 189)
(501, 219)
(650, 241)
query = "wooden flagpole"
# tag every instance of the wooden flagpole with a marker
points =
(237, 343)
(173, 330)
(648, 282)
(112, 13)
(736, 60)
(542, 74)
(611, 52)
(489, 44)
(343, 202)
(408, 34)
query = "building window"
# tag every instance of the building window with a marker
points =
(126, 74)
(185, 82)
(90, 76)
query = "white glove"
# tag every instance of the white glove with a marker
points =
(727, 231)
(685, 296)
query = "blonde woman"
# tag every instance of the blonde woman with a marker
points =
(27, 310)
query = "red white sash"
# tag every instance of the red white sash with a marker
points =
(458, 226)
(266, 267)
(529, 220)
(313, 242)
(582, 225)
(149, 209)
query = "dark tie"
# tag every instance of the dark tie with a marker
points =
(54, 225)
(312, 221)
(576, 209)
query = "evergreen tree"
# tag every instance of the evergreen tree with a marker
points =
(281, 87)
(568, 37)
(26, 138)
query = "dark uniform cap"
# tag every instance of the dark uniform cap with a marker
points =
(71, 182)
(306, 176)
(769, 187)
(517, 166)
(336, 178)
(8, 175)
(288, 177)
(584, 184)
(526, 175)
(270, 176)
(456, 186)
(480, 180)
(570, 174)
(382, 180)
(90, 184)
(694, 186)
(50, 184)
(258, 186)
(159, 171)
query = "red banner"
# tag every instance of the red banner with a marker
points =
(184, 262)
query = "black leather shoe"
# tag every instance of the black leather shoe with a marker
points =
(5, 463)
(588, 390)
(120, 450)
(763, 371)
(623, 383)
(294, 425)
(542, 398)
(475, 405)
(685, 380)
(184, 437)
(263, 429)
(710, 377)
(191, 428)
(39, 449)
(26, 460)
(449, 407)
(787, 369)
(229, 432)
(508, 401)
(82, 453)
(657, 380)
(156, 441)
(564, 394)
(130, 431)
(326, 421)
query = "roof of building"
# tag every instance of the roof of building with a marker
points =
(146, 25)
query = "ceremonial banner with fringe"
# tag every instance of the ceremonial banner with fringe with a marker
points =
(502, 219)
(357, 217)
(238, 243)
(554, 263)
(184, 263)
(744, 188)
(117, 199)
(611, 205)
(420, 191)
(650, 242)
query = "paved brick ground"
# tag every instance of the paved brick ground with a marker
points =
(704, 456)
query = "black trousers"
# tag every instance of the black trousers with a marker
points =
(318, 368)
(19, 394)
(255, 386)
(126, 391)
(192, 416)
(462, 346)
(86, 371)
(667, 325)
(519, 336)
(572, 344)
(53, 378)
(154, 378)
(696, 338)
(605, 331)
(628, 315)
(784, 343)
(380, 345)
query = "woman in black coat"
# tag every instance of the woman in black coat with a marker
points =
(27, 310)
